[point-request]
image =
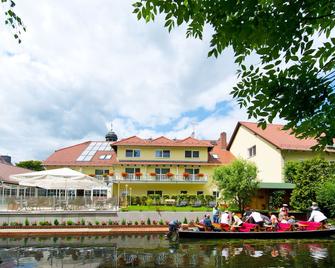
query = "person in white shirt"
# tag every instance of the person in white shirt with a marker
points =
(317, 216)
(225, 218)
(255, 217)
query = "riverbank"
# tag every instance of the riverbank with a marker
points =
(82, 231)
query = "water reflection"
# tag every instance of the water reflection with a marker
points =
(155, 251)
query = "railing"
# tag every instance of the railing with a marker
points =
(160, 178)
(56, 203)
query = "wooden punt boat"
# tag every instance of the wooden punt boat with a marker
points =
(256, 235)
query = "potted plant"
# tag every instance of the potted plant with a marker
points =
(169, 174)
(91, 175)
(186, 174)
(200, 175)
(111, 174)
(153, 174)
(138, 174)
(124, 174)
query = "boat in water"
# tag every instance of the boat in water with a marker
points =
(256, 235)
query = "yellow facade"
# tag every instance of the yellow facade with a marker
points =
(176, 153)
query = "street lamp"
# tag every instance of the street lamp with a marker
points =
(130, 196)
(126, 195)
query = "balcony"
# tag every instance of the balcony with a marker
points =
(159, 178)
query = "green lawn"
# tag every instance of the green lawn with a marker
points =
(165, 208)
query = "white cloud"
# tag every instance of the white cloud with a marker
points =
(85, 63)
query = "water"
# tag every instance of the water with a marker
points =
(155, 251)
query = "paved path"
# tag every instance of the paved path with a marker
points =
(82, 231)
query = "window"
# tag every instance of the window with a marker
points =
(252, 151)
(216, 193)
(162, 153)
(162, 170)
(132, 170)
(200, 192)
(151, 192)
(191, 154)
(133, 153)
(101, 171)
(105, 157)
(192, 171)
(183, 192)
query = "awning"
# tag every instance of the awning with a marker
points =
(276, 185)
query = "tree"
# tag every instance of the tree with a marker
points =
(308, 176)
(325, 196)
(237, 181)
(293, 80)
(12, 19)
(31, 164)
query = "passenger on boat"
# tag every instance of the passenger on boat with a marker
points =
(237, 222)
(225, 218)
(246, 213)
(173, 227)
(284, 219)
(318, 216)
(216, 214)
(283, 212)
(255, 217)
(274, 221)
(291, 220)
(208, 223)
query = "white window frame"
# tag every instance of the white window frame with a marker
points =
(159, 153)
(252, 151)
(133, 153)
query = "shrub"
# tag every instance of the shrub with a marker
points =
(97, 222)
(103, 223)
(154, 222)
(136, 222)
(166, 196)
(90, 223)
(123, 222)
(166, 222)
(4, 224)
(110, 222)
(34, 223)
(56, 222)
(26, 222)
(82, 222)
(70, 222)
(185, 221)
(142, 222)
(148, 221)
(129, 223)
(161, 222)
(149, 202)
(144, 199)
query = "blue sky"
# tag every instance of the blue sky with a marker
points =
(86, 64)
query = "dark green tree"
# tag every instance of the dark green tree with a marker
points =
(12, 19)
(308, 176)
(237, 182)
(31, 164)
(293, 79)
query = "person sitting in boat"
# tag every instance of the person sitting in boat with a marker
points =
(291, 220)
(173, 227)
(208, 223)
(274, 221)
(255, 217)
(216, 214)
(284, 219)
(237, 222)
(318, 216)
(246, 213)
(225, 218)
(283, 212)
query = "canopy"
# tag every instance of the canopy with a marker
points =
(59, 179)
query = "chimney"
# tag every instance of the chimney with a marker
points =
(7, 159)
(223, 140)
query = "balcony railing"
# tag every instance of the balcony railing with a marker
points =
(192, 178)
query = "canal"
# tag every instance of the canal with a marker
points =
(155, 251)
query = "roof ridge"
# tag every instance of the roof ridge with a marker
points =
(67, 147)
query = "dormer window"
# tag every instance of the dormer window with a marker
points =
(252, 151)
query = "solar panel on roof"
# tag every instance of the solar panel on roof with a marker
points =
(94, 147)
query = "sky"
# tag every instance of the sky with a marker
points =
(85, 64)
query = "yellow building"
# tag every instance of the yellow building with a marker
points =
(270, 149)
(147, 166)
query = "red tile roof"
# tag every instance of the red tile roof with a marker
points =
(274, 134)
(68, 157)
(163, 141)
(7, 170)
